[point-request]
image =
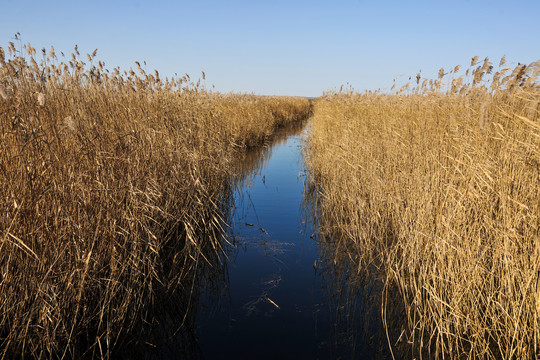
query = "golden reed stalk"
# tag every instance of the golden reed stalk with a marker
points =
(435, 191)
(112, 192)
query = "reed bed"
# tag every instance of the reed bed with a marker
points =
(114, 187)
(430, 194)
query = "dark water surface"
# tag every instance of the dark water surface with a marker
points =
(273, 303)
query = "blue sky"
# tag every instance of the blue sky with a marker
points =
(282, 47)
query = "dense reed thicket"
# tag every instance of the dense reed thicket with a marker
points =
(111, 196)
(434, 192)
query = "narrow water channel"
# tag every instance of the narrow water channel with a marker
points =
(272, 305)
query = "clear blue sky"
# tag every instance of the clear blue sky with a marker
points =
(282, 47)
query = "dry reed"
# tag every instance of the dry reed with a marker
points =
(433, 191)
(112, 193)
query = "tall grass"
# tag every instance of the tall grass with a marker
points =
(112, 193)
(433, 192)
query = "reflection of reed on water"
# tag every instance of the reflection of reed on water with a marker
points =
(366, 314)
(170, 330)
(249, 163)
(211, 286)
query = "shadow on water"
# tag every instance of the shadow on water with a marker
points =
(366, 311)
(169, 329)
(266, 308)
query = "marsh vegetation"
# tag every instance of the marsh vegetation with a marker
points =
(428, 200)
(117, 189)
(114, 191)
